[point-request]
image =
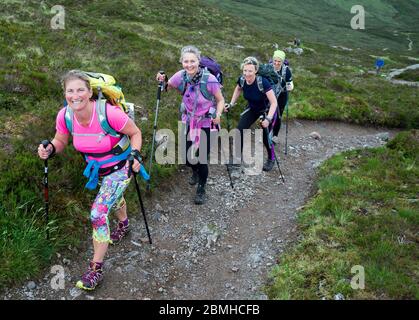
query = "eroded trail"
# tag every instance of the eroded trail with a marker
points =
(223, 249)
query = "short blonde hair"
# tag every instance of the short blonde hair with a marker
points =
(75, 75)
(190, 49)
(252, 61)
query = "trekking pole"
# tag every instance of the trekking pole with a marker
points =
(159, 90)
(45, 143)
(272, 146)
(222, 150)
(228, 167)
(131, 160)
(286, 127)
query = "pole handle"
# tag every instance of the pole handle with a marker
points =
(45, 143)
(161, 84)
(159, 90)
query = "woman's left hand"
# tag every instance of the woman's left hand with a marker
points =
(216, 120)
(265, 123)
(136, 166)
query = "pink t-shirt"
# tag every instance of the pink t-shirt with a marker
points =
(202, 104)
(91, 138)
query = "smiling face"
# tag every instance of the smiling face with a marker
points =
(249, 72)
(190, 63)
(77, 94)
(277, 63)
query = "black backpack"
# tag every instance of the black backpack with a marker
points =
(266, 70)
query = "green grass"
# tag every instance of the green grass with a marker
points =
(387, 22)
(132, 40)
(409, 75)
(365, 213)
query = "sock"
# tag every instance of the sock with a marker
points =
(125, 222)
(96, 265)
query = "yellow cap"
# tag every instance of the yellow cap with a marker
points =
(279, 54)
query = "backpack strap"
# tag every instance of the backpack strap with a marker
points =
(182, 85)
(203, 85)
(68, 117)
(117, 149)
(241, 83)
(284, 71)
(103, 118)
(260, 83)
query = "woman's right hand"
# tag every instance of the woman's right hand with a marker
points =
(44, 153)
(161, 77)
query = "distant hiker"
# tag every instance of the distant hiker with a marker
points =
(202, 105)
(285, 85)
(297, 42)
(98, 149)
(260, 98)
(379, 63)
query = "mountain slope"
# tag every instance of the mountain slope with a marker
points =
(132, 40)
(387, 22)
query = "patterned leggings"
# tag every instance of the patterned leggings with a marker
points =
(110, 195)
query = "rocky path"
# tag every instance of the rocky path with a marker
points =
(221, 250)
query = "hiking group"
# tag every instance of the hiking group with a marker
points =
(104, 132)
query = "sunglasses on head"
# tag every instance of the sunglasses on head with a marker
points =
(250, 61)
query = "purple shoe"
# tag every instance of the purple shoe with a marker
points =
(91, 278)
(120, 232)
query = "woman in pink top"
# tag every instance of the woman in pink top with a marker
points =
(198, 112)
(89, 138)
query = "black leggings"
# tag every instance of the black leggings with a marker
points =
(200, 168)
(282, 102)
(247, 118)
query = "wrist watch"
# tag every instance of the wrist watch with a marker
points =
(269, 119)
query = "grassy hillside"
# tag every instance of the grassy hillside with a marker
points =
(365, 213)
(388, 23)
(132, 40)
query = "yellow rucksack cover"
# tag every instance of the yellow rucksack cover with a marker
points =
(106, 84)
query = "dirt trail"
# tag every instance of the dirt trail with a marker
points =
(397, 72)
(223, 249)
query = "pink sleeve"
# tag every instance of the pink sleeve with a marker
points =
(60, 125)
(176, 79)
(116, 117)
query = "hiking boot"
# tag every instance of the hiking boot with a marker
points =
(91, 278)
(200, 194)
(120, 232)
(193, 180)
(269, 164)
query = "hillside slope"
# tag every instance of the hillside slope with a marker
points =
(388, 23)
(132, 40)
